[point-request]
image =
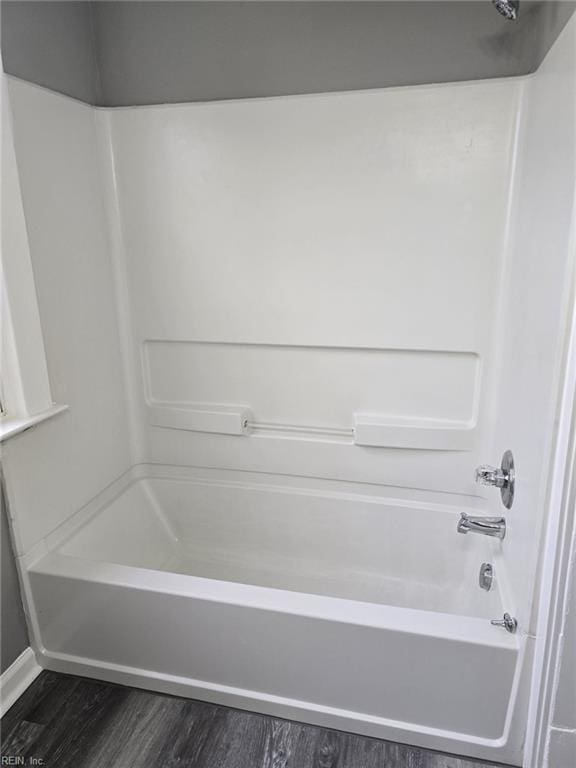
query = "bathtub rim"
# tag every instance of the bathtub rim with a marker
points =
(452, 627)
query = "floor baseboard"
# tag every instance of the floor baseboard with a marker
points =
(17, 678)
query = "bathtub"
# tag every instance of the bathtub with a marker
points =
(314, 601)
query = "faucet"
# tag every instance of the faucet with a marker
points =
(489, 526)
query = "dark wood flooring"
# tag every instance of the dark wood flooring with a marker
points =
(63, 721)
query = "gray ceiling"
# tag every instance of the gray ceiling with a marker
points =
(127, 53)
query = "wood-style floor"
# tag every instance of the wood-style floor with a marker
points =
(69, 722)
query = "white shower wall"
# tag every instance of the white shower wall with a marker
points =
(58, 466)
(314, 257)
(308, 257)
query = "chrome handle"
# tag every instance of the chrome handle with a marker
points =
(508, 622)
(487, 475)
(502, 477)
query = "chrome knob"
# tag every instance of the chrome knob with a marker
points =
(487, 475)
(508, 622)
(502, 477)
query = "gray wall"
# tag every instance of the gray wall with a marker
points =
(154, 52)
(51, 44)
(14, 636)
(127, 53)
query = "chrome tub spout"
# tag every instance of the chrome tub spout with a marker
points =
(489, 526)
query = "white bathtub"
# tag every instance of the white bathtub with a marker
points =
(338, 608)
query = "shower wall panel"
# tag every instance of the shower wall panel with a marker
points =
(538, 288)
(314, 257)
(56, 467)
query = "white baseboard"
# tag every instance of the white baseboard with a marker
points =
(17, 678)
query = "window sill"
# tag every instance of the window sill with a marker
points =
(14, 426)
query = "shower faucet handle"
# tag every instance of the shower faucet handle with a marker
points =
(488, 475)
(502, 477)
